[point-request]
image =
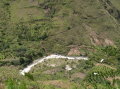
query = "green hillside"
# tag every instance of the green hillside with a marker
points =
(30, 29)
(53, 26)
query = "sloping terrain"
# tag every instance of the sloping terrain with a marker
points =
(51, 26)
(31, 29)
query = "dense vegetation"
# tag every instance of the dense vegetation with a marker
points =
(30, 29)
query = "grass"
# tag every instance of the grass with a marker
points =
(25, 10)
(45, 76)
(10, 75)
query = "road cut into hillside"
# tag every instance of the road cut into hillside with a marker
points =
(53, 56)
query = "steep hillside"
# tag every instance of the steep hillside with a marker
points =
(53, 26)
(31, 29)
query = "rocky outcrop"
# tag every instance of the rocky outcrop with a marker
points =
(74, 51)
(98, 40)
(112, 10)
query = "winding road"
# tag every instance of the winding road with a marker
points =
(29, 67)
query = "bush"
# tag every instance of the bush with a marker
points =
(2, 56)
(15, 84)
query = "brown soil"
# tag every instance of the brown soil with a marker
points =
(2, 86)
(112, 78)
(78, 75)
(98, 64)
(98, 39)
(74, 51)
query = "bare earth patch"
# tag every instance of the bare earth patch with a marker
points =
(98, 64)
(112, 78)
(78, 75)
(98, 39)
(2, 86)
(74, 51)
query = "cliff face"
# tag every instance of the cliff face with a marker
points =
(53, 25)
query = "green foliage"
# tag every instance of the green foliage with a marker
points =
(110, 50)
(29, 76)
(52, 24)
(2, 56)
(15, 84)
(30, 29)
(85, 65)
(110, 55)
(99, 80)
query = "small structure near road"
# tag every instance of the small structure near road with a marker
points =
(68, 68)
(102, 60)
(95, 73)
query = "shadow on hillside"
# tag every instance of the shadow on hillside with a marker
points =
(22, 63)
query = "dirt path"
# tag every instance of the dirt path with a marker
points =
(28, 68)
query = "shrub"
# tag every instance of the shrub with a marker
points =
(15, 84)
